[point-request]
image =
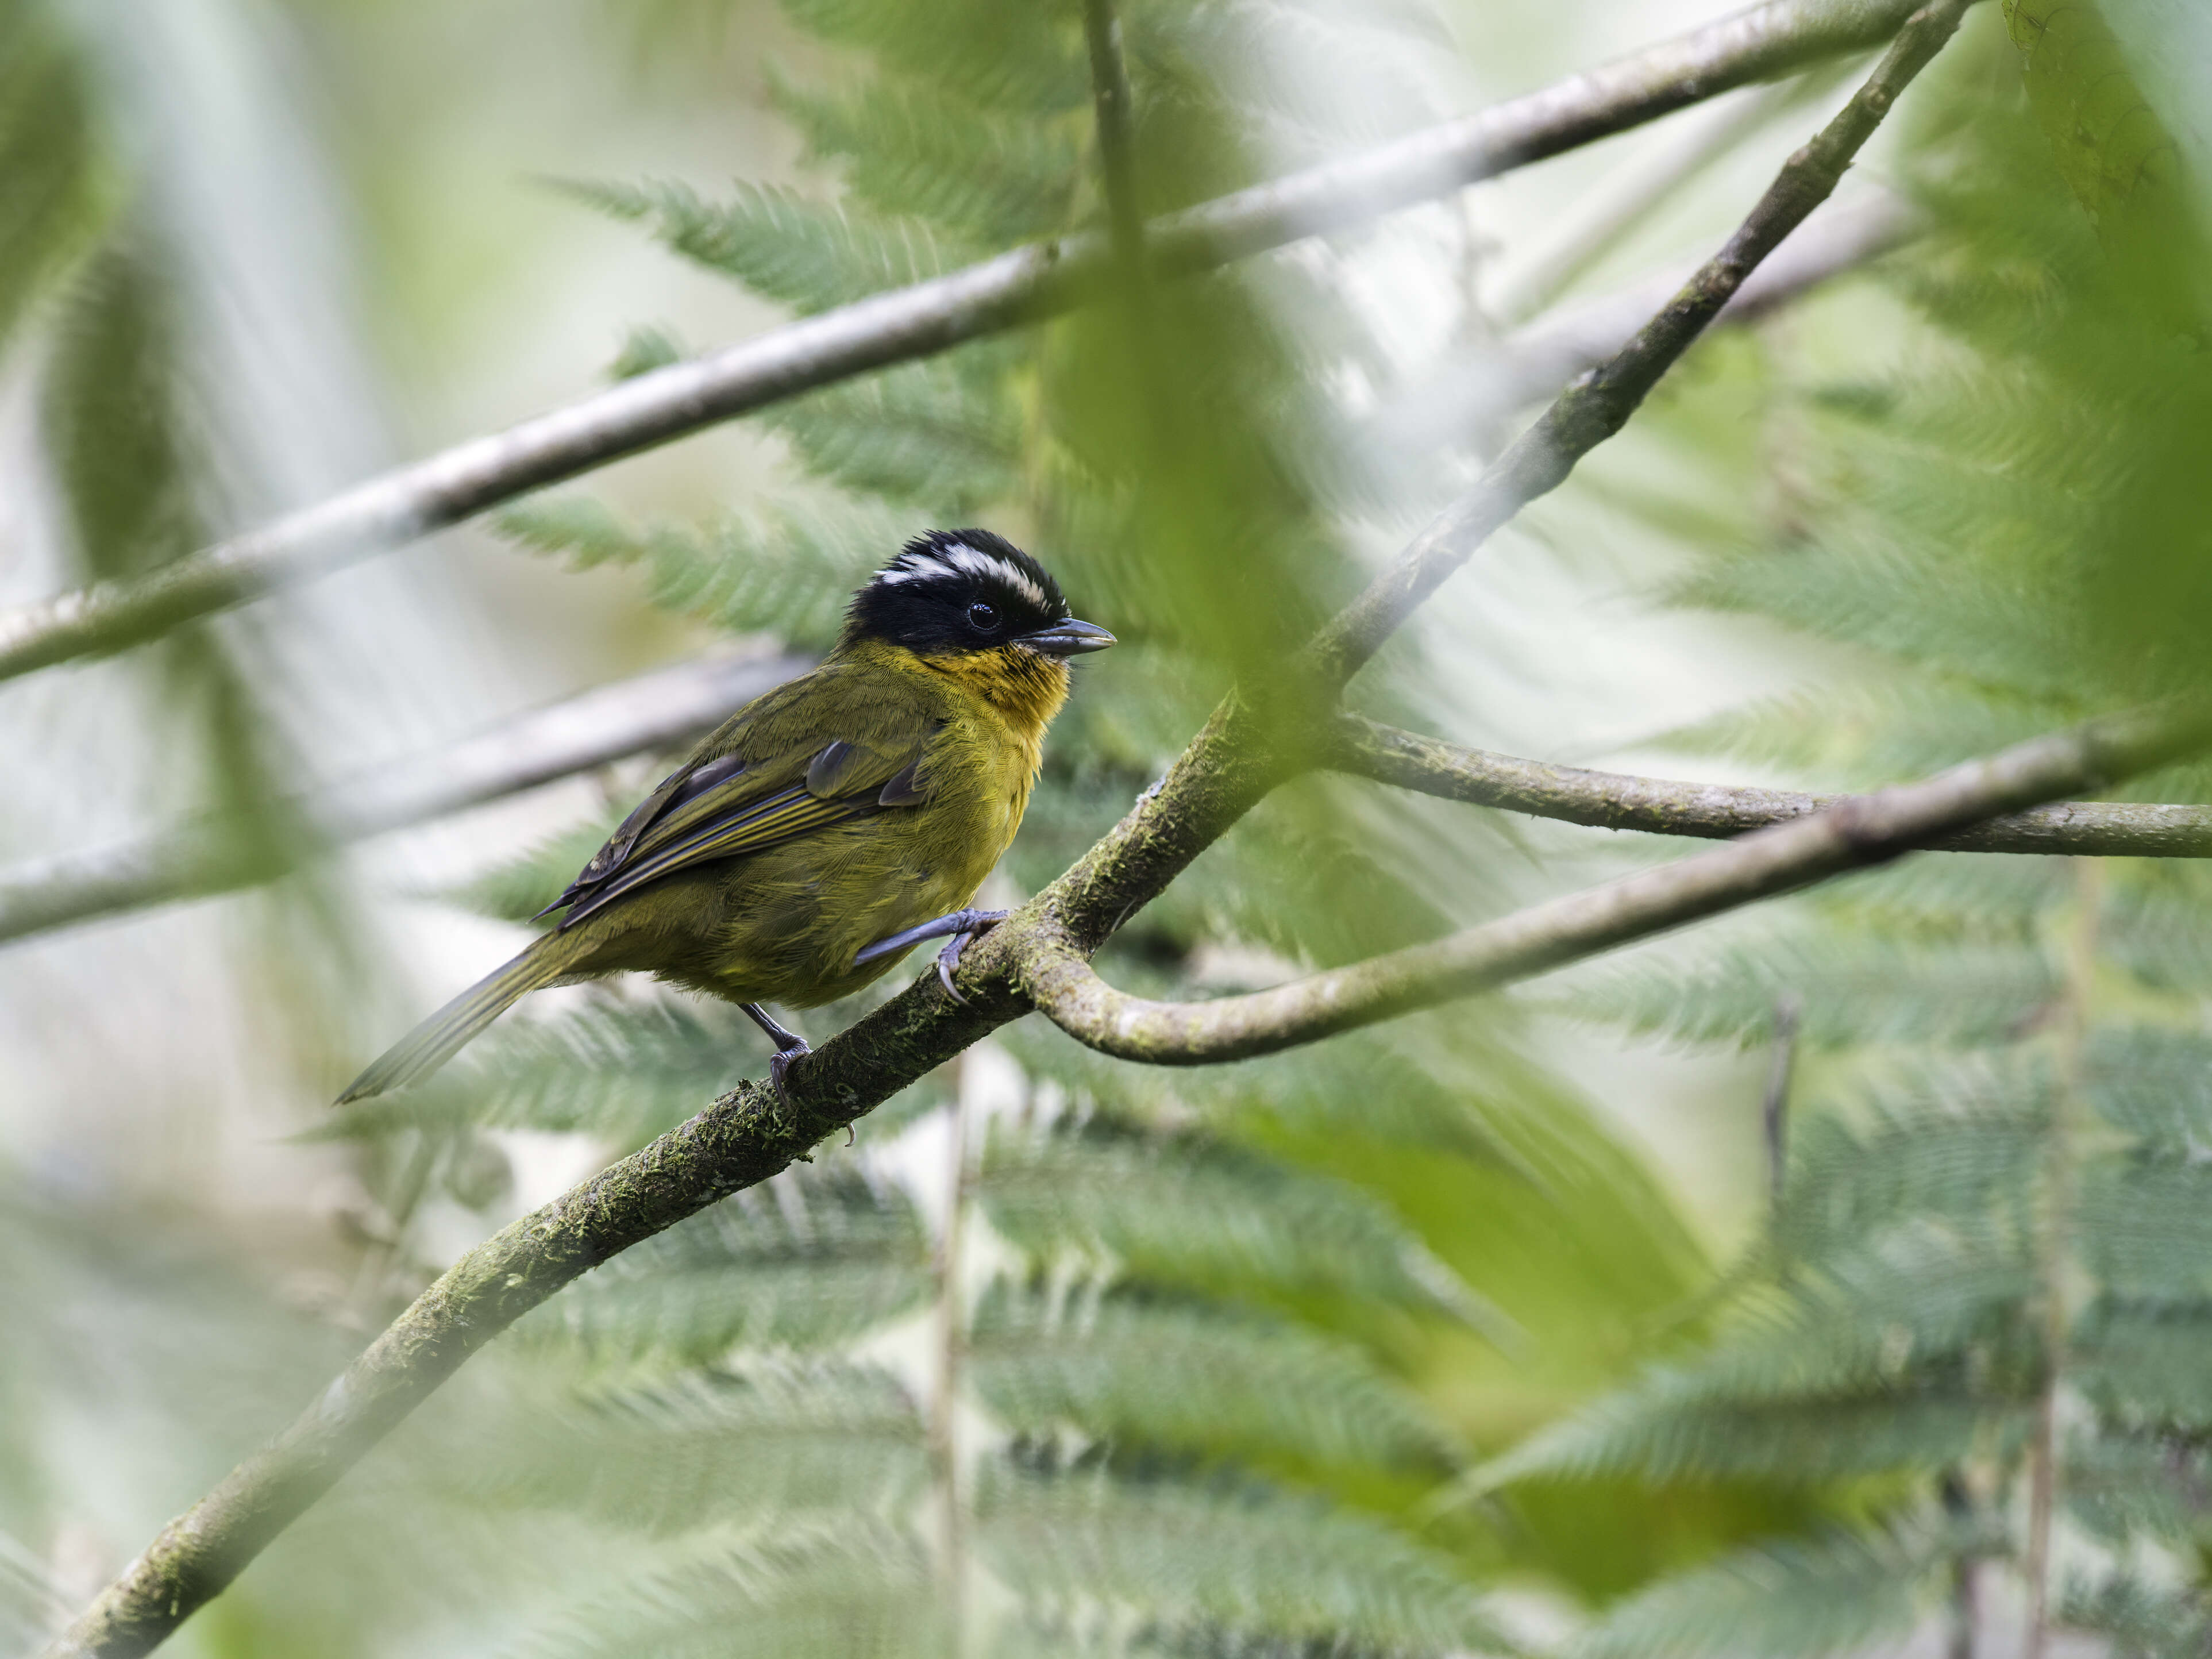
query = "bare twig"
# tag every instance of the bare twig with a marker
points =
(1595, 407)
(658, 710)
(1849, 835)
(754, 1132)
(1619, 800)
(928, 316)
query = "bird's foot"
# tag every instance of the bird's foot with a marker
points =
(789, 1045)
(779, 1062)
(948, 960)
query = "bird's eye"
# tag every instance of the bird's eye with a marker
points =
(981, 616)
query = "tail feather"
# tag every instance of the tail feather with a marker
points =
(440, 1037)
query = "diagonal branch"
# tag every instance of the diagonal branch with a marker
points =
(1618, 800)
(1849, 834)
(754, 1132)
(1024, 285)
(1596, 406)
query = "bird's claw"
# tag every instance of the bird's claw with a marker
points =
(779, 1062)
(948, 959)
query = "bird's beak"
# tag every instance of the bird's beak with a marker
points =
(1068, 639)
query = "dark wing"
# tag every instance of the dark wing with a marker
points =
(731, 805)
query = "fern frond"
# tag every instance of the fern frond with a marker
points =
(2140, 1619)
(1146, 1373)
(2144, 1226)
(849, 1588)
(2129, 1490)
(1686, 1429)
(812, 1258)
(921, 433)
(622, 1072)
(784, 570)
(961, 43)
(2145, 1362)
(1949, 1142)
(805, 254)
(2154, 1083)
(1190, 1210)
(1721, 987)
(1248, 1567)
(1787, 1601)
(767, 1440)
(1864, 735)
(924, 147)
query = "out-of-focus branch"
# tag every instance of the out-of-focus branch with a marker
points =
(657, 710)
(1114, 124)
(1619, 800)
(928, 316)
(1639, 187)
(1850, 833)
(1476, 389)
(1596, 406)
(671, 705)
(755, 1131)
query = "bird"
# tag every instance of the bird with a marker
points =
(826, 827)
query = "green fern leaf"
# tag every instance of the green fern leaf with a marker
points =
(1787, 1601)
(801, 253)
(1247, 1569)
(812, 1259)
(1143, 1373)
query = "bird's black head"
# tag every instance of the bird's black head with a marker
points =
(954, 591)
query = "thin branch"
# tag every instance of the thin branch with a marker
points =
(1024, 285)
(1852, 833)
(1596, 407)
(1619, 800)
(658, 710)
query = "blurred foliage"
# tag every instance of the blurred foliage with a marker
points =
(1985, 1274)
(1314, 1354)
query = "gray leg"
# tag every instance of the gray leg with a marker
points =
(959, 922)
(789, 1045)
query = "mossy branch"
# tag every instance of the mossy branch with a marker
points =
(1844, 835)
(1719, 812)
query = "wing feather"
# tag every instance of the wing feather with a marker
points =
(727, 807)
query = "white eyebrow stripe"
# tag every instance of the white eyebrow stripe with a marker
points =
(959, 558)
(989, 565)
